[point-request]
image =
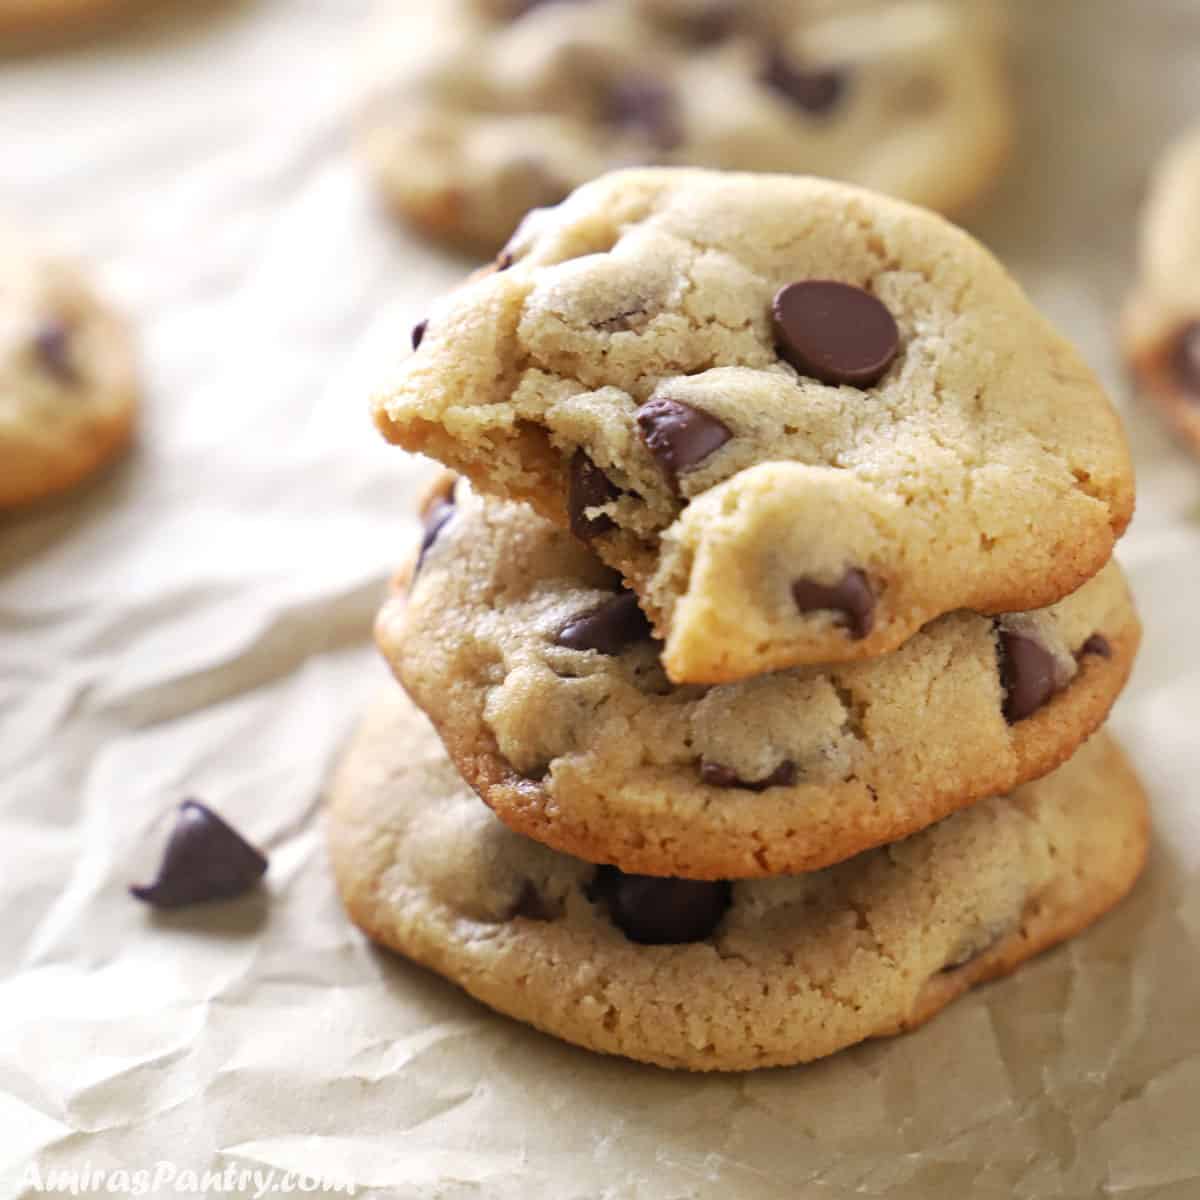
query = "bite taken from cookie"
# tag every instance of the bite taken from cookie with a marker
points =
(541, 675)
(720, 976)
(801, 419)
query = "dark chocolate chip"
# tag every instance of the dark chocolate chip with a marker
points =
(852, 597)
(418, 334)
(679, 436)
(438, 513)
(588, 487)
(1027, 674)
(816, 90)
(609, 629)
(1097, 644)
(53, 346)
(532, 905)
(835, 332)
(1185, 360)
(716, 775)
(645, 107)
(661, 912)
(205, 859)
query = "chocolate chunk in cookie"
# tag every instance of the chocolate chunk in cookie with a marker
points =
(679, 436)
(816, 90)
(1185, 360)
(717, 775)
(851, 597)
(52, 344)
(660, 911)
(1028, 674)
(1098, 645)
(438, 512)
(835, 332)
(645, 108)
(609, 629)
(418, 334)
(205, 859)
(588, 488)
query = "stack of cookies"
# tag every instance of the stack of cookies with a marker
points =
(770, 628)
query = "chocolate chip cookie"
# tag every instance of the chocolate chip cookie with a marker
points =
(484, 109)
(803, 420)
(720, 975)
(542, 677)
(68, 390)
(1162, 319)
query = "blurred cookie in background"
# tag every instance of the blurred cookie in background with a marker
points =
(68, 379)
(25, 21)
(1161, 329)
(480, 110)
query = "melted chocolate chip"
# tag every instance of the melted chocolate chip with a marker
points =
(816, 90)
(661, 912)
(852, 597)
(1027, 674)
(716, 775)
(436, 515)
(1097, 644)
(588, 487)
(205, 859)
(835, 332)
(1185, 360)
(53, 346)
(609, 629)
(645, 107)
(418, 334)
(679, 436)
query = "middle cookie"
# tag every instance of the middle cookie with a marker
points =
(543, 681)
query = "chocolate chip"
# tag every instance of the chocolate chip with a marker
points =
(436, 515)
(852, 597)
(646, 108)
(835, 332)
(505, 261)
(589, 487)
(609, 629)
(418, 334)
(1185, 360)
(661, 912)
(53, 346)
(817, 90)
(716, 775)
(1027, 673)
(532, 905)
(205, 859)
(679, 436)
(1097, 644)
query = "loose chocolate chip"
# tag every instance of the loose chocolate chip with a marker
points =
(716, 775)
(588, 487)
(1026, 673)
(205, 859)
(835, 332)
(1097, 644)
(679, 436)
(816, 90)
(644, 107)
(436, 516)
(661, 912)
(1185, 360)
(851, 596)
(53, 346)
(617, 623)
(418, 334)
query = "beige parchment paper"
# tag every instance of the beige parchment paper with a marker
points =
(197, 623)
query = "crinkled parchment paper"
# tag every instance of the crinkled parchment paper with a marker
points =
(197, 624)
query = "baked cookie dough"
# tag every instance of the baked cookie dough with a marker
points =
(25, 20)
(484, 109)
(803, 420)
(720, 976)
(1162, 319)
(542, 679)
(68, 380)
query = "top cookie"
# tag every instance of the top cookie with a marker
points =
(1162, 319)
(68, 379)
(803, 420)
(488, 108)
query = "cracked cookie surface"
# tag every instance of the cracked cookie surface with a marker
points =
(1161, 325)
(68, 389)
(772, 971)
(543, 681)
(484, 109)
(628, 370)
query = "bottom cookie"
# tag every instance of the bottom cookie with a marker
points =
(718, 976)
